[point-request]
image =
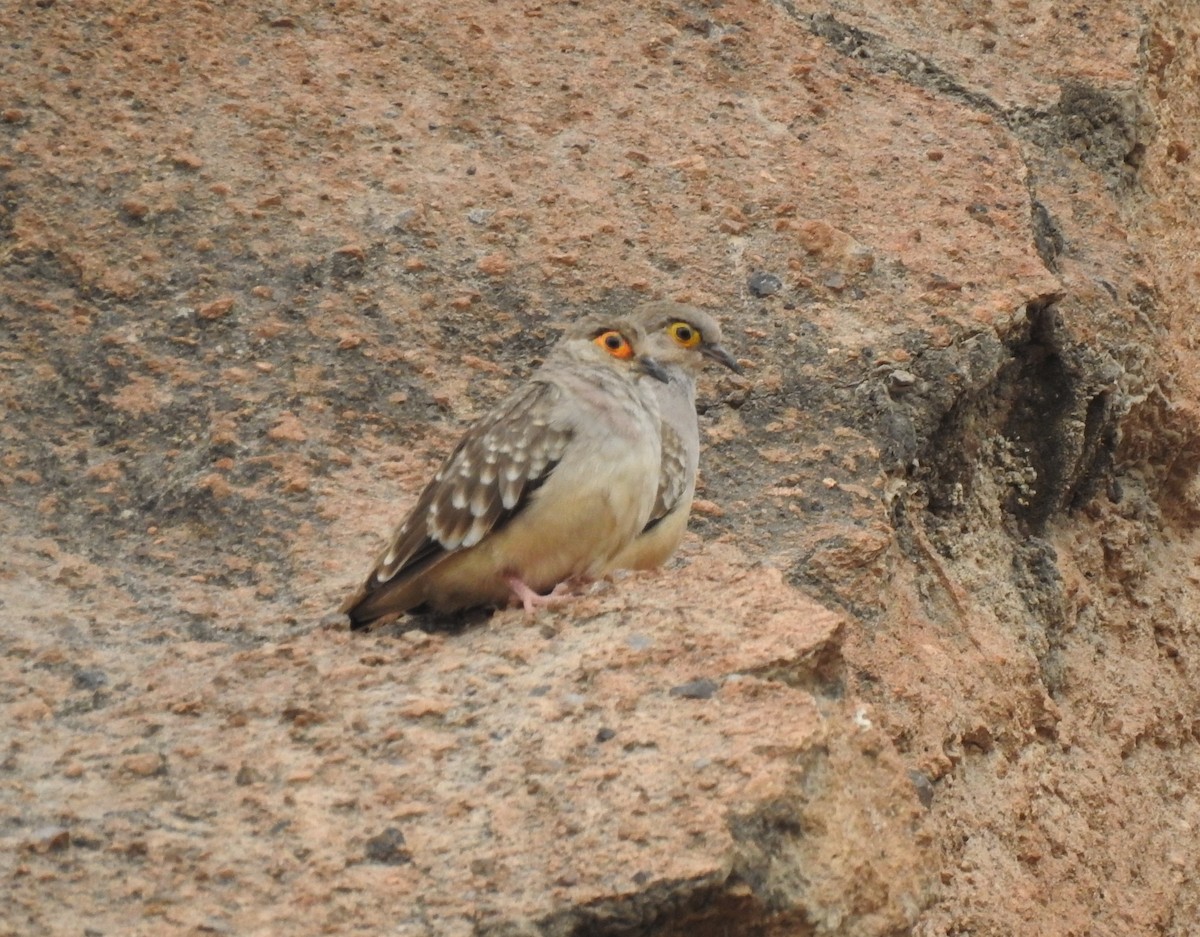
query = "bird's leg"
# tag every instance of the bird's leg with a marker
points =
(530, 599)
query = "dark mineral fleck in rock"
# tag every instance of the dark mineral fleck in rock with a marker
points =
(89, 679)
(924, 788)
(247, 775)
(388, 848)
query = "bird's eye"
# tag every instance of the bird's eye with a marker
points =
(688, 336)
(614, 343)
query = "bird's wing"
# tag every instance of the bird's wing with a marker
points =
(501, 460)
(672, 476)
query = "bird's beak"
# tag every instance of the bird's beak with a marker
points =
(719, 354)
(652, 368)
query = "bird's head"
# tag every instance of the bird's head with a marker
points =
(682, 336)
(618, 343)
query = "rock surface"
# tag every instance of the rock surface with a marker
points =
(923, 664)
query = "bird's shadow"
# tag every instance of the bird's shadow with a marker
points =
(430, 622)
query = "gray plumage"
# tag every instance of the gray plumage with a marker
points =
(680, 338)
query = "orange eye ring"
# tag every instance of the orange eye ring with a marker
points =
(684, 333)
(614, 343)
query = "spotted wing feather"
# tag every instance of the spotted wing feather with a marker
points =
(500, 461)
(672, 476)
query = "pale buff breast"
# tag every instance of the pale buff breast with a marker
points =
(677, 406)
(592, 505)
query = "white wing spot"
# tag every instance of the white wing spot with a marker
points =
(474, 535)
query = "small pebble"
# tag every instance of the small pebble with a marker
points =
(900, 382)
(605, 734)
(762, 283)
(217, 309)
(145, 765)
(495, 264)
(695, 689)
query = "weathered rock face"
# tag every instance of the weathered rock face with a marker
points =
(924, 662)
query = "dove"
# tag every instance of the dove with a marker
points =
(549, 485)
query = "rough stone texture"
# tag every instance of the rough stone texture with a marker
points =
(930, 638)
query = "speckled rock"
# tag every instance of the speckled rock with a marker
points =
(927, 646)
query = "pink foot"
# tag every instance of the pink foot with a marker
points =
(530, 599)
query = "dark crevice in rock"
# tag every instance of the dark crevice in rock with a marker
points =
(1107, 129)
(1047, 235)
(1062, 416)
(771, 885)
(705, 907)
(880, 56)
(1040, 585)
(1038, 412)
(1026, 436)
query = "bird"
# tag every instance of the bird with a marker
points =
(549, 485)
(681, 338)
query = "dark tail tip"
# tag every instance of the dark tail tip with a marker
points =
(357, 609)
